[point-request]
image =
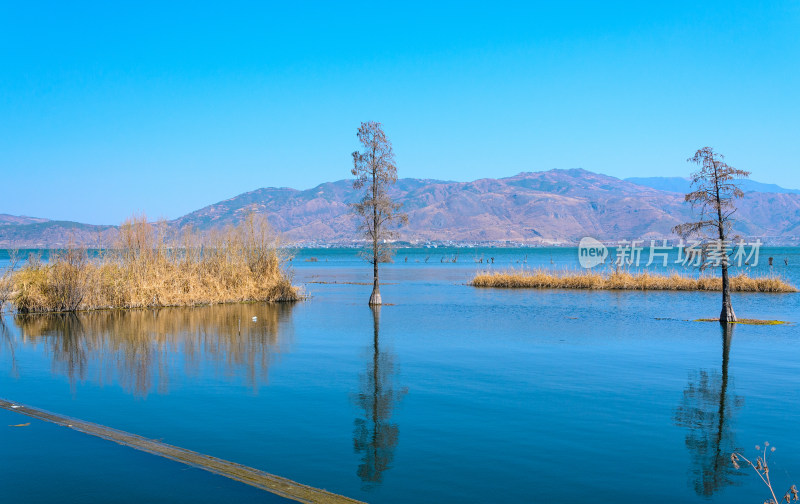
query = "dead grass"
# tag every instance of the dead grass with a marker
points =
(625, 280)
(145, 269)
(6, 285)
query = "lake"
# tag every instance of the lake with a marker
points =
(447, 394)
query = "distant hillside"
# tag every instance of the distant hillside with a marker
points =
(541, 207)
(683, 185)
(6, 219)
(318, 214)
(43, 233)
(555, 206)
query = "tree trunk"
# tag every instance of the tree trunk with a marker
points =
(375, 298)
(726, 316)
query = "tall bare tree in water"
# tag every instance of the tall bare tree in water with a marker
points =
(715, 189)
(375, 170)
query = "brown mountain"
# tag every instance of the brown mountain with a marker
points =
(555, 206)
(536, 208)
(6, 219)
(33, 232)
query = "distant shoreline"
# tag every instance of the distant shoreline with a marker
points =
(439, 245)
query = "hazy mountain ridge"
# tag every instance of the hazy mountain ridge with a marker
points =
(43, 233)
(6, 219)
(556, 206)
(683, 185)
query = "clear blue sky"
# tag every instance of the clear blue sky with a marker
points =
(113, 107)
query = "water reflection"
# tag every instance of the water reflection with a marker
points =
(7, 342)
(140, 349)
(375, 437)
(707, 412)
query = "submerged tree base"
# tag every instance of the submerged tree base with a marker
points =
(624, 280)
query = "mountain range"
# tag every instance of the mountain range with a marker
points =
(539, 208)
(683, 185)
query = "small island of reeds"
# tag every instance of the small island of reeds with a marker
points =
(146, 269)
(625, 280)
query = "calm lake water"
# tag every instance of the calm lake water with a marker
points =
(448, 394)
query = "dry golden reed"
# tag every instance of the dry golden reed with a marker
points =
(625, 280)
(145, 269)
(6, 286)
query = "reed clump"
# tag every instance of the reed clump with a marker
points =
(146, 269)
(625, 280)
(6, 285)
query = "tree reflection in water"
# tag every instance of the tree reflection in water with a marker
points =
(140, 348)
(375, 437)
(8, 342)
(707, 411)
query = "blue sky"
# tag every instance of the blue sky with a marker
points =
(111, 108)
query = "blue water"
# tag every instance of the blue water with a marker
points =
(448, 394)
(46, 463)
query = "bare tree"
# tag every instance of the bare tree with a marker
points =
(714, 191)
(375, 171)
